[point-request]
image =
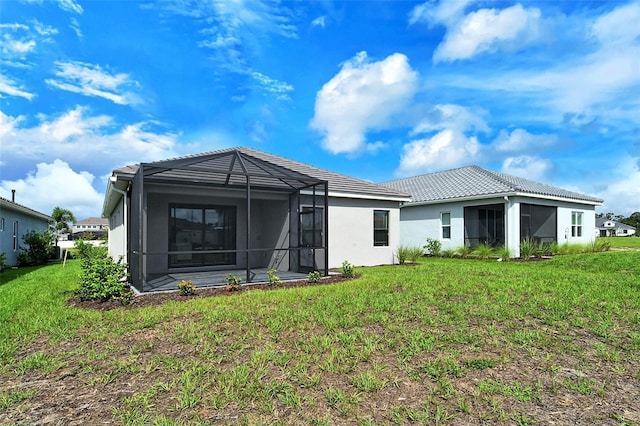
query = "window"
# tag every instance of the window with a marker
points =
(15, 235)
(1, 223)
(445, 222)
(576, 224)
(380, 228)
(202, 228)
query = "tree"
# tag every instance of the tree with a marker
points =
(633, 220)
(62, 217)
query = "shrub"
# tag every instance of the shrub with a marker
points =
(39, 248)
(313, 277)
(3, 259)
(186, 288)
(408, 253)
(233, 282)
(347, 269)
(483, 251)
(103, 278)
(504, 253)
(433, 247)
(527, 248)
(599, 245)
(83, 250)
(463, 251)
(272, 278)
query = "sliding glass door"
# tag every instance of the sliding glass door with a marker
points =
(201, 228)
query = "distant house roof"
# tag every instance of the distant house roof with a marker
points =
(11, 205)
(474, 182)
(93, 221)
(600, 221)
(264, 166)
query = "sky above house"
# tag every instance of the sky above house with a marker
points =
(546, 90)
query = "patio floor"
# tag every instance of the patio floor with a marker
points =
(208, 279)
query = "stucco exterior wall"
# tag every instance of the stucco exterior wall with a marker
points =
(25, 224)
(351, 232)
(417, 223)
(117, 242)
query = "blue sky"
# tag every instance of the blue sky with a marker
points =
(376, 90)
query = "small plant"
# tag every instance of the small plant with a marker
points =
(463, 251)
(483, 251)
(527, 248)
(504, 253)
(408, 254)
(433, 247)
(272, 278)
(313, 277)
(347, 269)
(186, 288)
(233, 282)
(3, 259)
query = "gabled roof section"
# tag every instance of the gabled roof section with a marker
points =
(475, 182)
(12, 205)
(600, 221)
(230, 167)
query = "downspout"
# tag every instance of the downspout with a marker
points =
(124, 219)
(506, 223)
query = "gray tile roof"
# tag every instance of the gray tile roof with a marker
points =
(337, 182)
(476, 182)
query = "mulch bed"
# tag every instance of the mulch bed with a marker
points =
(156, 299)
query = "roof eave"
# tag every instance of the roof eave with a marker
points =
(502, 195)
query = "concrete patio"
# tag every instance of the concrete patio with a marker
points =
(209, 279)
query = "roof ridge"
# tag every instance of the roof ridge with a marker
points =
(495, 176)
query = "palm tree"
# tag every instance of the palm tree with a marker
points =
(62, 218)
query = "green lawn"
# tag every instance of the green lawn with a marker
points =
(448, 341)
(632, 242)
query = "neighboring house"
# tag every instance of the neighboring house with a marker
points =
(242, 209)
(471, 205)
(610, 228)
(95, 227)
(17, 220)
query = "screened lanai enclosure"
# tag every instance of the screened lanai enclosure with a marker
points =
(227, 212)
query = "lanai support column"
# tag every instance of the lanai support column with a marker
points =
(248, 228)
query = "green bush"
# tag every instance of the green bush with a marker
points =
(313, 277)
(39, 248)
(3, 259)
(347, 269)
(272, 278)
(433, 247)
(483, 251)
(408, 253)
(102, 278)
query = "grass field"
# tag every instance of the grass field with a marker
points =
(632, 242)
(448, 341)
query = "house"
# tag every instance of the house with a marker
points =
(17, 220)
(610, 228)
(471, 205)
(246, 211)
(93, 227)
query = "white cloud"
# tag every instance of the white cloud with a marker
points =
(92, 80)
(529, 167)
(278, 88)
(75, 26)
(320, 21)
(56, 184)
(363, 96)
(449, 116)
(621, 194)
(484, 30)
(445, 150)
(11, 88)
(520, 140)
(236, 30)
(82, 138)
(70, 6)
